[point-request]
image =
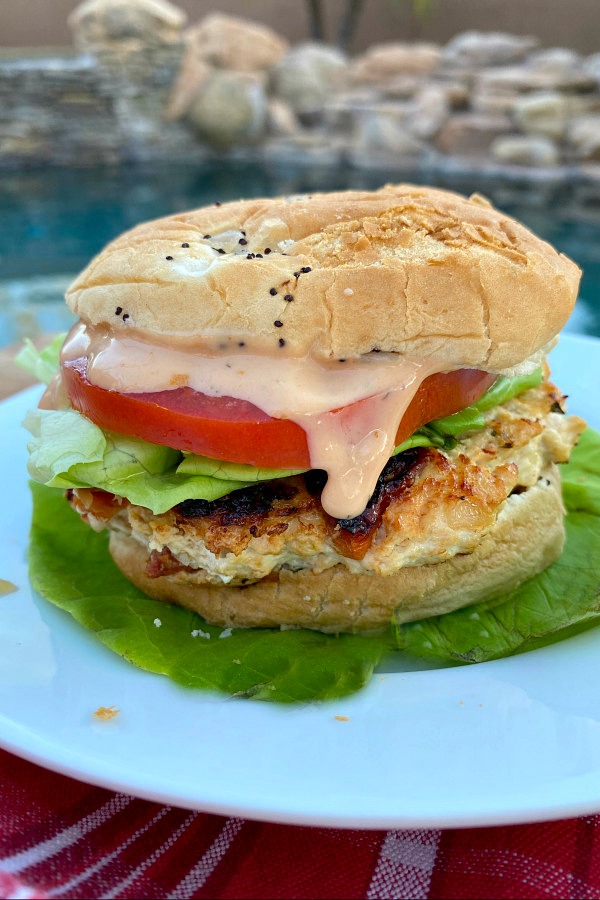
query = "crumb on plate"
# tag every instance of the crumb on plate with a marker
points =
(7, 587)
(106, 712)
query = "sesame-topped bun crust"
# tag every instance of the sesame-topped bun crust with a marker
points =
(411, 270)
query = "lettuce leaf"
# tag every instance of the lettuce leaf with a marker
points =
(42, 364)
(71, 567)
(560, 601)
(193, 464)
(67, 450)
(472, 417)
(580, 476)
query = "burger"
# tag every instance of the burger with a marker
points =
(319, 410)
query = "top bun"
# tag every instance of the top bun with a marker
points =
(405, 269)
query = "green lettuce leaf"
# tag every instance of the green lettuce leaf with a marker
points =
(42, 364)
(193, 464)
(70, 566)
(61, 439)
(425, 437)
(580, 476)
(472, 417)
(559, 601)
(67, 450)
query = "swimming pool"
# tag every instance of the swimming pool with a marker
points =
(54, 220)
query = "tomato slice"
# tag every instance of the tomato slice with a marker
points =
(238, 431)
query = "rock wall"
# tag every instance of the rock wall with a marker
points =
(144, 87)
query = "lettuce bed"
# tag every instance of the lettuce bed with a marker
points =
(70, 566)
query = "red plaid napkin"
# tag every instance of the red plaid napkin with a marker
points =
(61, 838)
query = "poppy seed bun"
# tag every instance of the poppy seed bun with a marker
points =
(405, 269)
(337, 600)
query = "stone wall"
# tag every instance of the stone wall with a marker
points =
(140, 86)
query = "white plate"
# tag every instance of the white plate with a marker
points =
(508, 741)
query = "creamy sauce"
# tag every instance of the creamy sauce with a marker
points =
(54, 397)
(351, 447)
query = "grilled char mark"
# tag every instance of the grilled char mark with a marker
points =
(239, 507)
(248, 508)
(353, 537)
(392, 478)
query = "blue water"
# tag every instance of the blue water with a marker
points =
(53, 221)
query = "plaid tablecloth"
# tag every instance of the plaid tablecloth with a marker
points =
(61, 838)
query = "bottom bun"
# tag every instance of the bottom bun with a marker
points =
(527, 537)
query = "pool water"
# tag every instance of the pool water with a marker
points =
(53, 221)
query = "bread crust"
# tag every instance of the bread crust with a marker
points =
(412, 270)
(526, 538)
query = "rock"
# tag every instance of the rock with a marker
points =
(591, 66)
(125, 24)
(237, 44)
(308, 75)
(584, 137)
(281, 121)
(321, 148)
(56, 110)
(493, 102)
(544, 113)
(457, 92)
(401, 87)
(384, 62)
(429, 111)
(591, 172)
(140, 82)
(470, 134)
(223, 42)
(488, 48)
(583, 104)
(383, 131)
(73, 111)
(230, 109)
(340, 111)
(522, 150)
(192, 76)
(524, 78)
(557, 61)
